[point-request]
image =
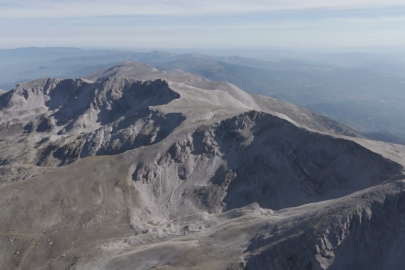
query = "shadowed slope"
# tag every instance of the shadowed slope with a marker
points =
(188, 175)
(178, 79)
(60, 121)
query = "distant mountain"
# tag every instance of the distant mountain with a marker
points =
(384, 137)
(366, 118)
(146, 72)
(140, 168)
(87, 111)
(364, 97)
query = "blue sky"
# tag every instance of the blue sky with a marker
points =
(202, 24)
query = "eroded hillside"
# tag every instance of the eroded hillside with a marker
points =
(123, 173)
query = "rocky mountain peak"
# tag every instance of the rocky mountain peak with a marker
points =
(135, 167)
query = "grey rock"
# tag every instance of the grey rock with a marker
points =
(179, 172)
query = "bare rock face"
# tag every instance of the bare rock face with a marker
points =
(128, 173)
(142, 71)
(302, 116)
(72, 119)
(284, 159)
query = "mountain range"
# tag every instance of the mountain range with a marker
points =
(134, 167)
(365, 95)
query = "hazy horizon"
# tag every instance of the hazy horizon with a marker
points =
(205, 24)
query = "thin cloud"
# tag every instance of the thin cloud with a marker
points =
(377, 20)
(221, 23)
(95, 8)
